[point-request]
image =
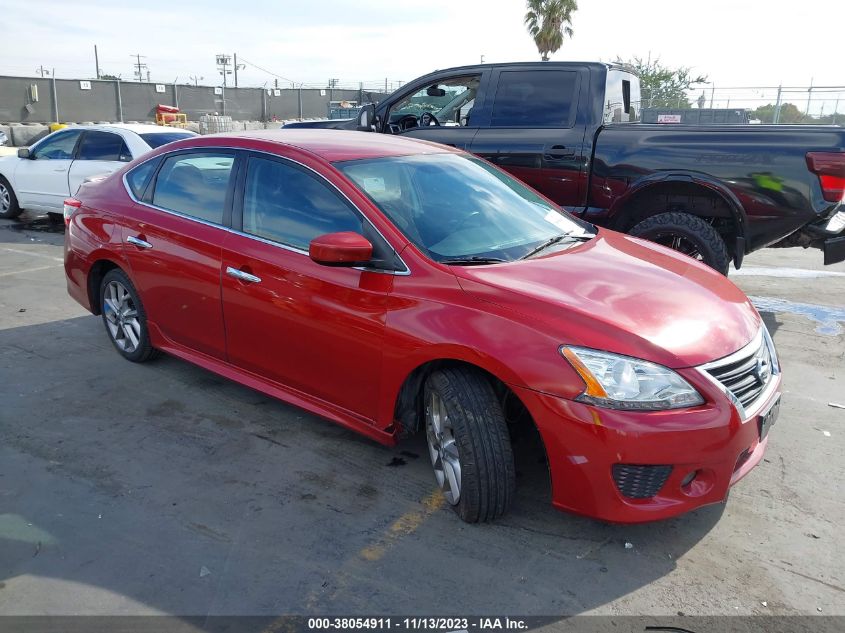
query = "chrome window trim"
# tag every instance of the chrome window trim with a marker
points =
(761, 338)
(163, 156)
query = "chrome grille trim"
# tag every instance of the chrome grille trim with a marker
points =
(738, 375)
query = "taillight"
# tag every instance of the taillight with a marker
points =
(830, 168)
(71, 206)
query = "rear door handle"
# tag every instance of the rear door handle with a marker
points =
(137, 241)
(558, 152)
(243, 276)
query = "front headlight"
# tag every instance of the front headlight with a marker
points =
(622, 382)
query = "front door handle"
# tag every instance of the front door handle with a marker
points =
(243, 276)
(137, 241)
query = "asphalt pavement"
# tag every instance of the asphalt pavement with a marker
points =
(164, 489)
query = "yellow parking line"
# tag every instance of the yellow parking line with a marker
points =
(403, 526)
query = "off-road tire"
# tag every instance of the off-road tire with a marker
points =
(488, 474)
(707, 240)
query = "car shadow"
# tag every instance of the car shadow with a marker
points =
(163, 488)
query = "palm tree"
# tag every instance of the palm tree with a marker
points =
(548, 21)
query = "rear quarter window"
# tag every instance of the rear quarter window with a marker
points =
(140, 177)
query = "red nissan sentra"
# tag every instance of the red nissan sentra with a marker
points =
(396, 286)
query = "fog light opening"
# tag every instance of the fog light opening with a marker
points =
(689, 479)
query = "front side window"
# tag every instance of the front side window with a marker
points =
(195, 184)
(96, 145)
(536, 98)
(453, 207)
(289, 205)
(450, 101)
(57, 146)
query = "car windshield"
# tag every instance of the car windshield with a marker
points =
(459, 208)
(157, 139)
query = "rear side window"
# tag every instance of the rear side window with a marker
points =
(195, 184)
(97, 145)
(285, 204)
(157, 139)
(139, 178)
(537, 98)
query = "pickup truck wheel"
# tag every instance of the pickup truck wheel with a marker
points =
(9, 208)
(687, 234)
(469, 444)
(124, 317)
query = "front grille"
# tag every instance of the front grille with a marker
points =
(745, 377)
(640, 482)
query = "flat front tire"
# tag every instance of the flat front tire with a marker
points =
(687, 234)
(124, 317)
(469, 444)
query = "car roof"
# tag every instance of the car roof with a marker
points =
(339, 145)
(137, 128)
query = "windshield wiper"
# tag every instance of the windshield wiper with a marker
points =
(575, 237)
(475, 260)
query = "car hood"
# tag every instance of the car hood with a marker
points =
(623, 295)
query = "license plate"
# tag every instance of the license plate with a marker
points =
(767, 419)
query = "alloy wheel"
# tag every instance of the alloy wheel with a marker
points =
(121, 317)
(443, 448)
(5, 199)
(678, 243)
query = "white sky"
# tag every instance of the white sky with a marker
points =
(735, 43)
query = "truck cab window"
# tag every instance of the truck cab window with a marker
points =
(622, 98)
(538, 98)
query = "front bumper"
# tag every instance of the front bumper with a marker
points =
(583, 443)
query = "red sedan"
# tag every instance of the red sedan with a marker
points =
(396, 286)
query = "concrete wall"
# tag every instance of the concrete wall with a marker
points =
(133, 101)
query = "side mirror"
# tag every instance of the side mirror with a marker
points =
(367, 118)
(341, 249)
(23, 152)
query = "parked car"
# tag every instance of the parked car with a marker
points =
(4, 138)
(40, 177)
(395, 286)
(570, 130)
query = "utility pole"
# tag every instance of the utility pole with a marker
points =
(97, 61)
(835, 110)
(776, 115)
(140, 67)
(195, 79)
(237, 68)
(809, 95)
(43, 71)
(712, 93)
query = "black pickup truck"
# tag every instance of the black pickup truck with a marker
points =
(572, 131)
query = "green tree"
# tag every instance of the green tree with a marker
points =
(548, 22)
(789, 113)
(662, 86)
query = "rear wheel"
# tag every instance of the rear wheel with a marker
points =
(687, 234)
(124, 317)
(9, 208)
(468, 443)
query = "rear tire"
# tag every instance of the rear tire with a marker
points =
(124, 317)
(469, 444)
(9, 208)
(687, 234)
